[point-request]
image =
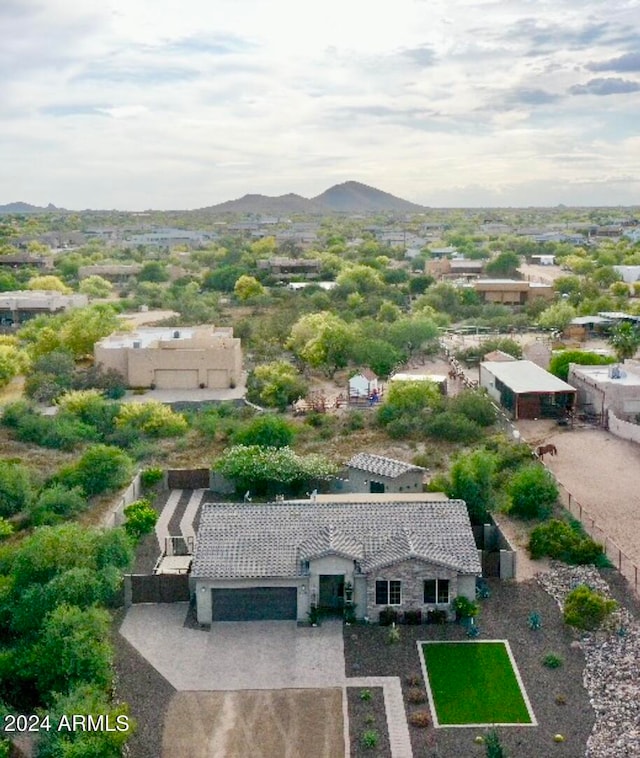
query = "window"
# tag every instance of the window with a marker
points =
(436, 591)
(388, 592)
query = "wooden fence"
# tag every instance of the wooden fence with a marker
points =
(156, 588)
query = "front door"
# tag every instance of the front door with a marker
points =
(331, 592)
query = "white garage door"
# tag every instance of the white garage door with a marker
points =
(176, 379)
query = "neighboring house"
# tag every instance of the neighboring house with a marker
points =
(24, 260)
(512, 291)
(363, 384)
(543, 260)
(174, 358)
(499, 356)
(277, 560)
(608, 388)
(19, 306)
(525, 390)
(375, 473)
(289, 267)
(112, 272)
(456, 268)
(583, 327)
(629, 274)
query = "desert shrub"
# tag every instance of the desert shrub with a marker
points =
(393, 635)
(561, 541)
(370, 739)
(453, 427)
(14, 412)
(464, 608)
(413, 680)
(388, 616)
(476, 405)
(493, 746)
(15, 488)
(532, 492)
(420, 719)
(416, 696)
(140, 519)
(56, 503)
(153, 419)
(101, 468)
(266, 430)
(552, 661)
(149, 477)
(585, 608)
(436, 616)
(413, 617)
(354, 421)
(365, 695)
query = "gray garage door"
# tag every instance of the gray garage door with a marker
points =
(255, 604)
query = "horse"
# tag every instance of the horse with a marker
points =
(543, 449)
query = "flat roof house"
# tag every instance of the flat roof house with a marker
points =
(525, 390)
(174, 358)
(277, 560)
(376, 473)
(19, 306)
(512, 291)
(608, 388)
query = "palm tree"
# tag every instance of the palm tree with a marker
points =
(625, 340)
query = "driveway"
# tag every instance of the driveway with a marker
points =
(255, 655)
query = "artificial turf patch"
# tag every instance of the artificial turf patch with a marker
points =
(474, 683)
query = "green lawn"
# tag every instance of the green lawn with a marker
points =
(474, 683)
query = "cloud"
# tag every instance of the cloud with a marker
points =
(531, 96)
(608, 86)
(423, 56)
(623, 63)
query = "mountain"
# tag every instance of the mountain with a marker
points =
(349, 197)
(261, 204)
(20, 207)
(354, 197)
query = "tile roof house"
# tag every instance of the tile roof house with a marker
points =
(376, 473)
(277, 560)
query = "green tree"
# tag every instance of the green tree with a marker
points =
(102, 468)
(48, 282)
(12, 362)
(153, 271)
(89, 700)
(56, 503)
(322, 340)
(475, 405)
(378, 354)
(504, 264)
(276, 385)
(625, 340)
(559, 364)
(247, 288)
(15, 488)
(140, 518)
(266, 430)
(533, 492)
(471, 480)
(95, 286)
(72, 649)
(557, 316)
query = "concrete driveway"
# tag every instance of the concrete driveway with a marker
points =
(253, 655)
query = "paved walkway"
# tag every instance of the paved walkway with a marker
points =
(255, 655)
(189, 516)
(162, 524)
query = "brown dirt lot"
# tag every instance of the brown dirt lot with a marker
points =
(259, 723)
(601, 473)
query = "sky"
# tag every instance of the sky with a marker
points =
(132, 104)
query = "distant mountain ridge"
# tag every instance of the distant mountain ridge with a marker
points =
(348, 197)
(21, 207)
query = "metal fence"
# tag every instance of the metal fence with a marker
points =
(613, 551)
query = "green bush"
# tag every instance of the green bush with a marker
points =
(476, 405)
(55, 503)
(561, 541)
(141, 519)
(152, 418)
(453, 427)
(464, 608)
(532, 491)
(585, 608)
(370, 739)
(102, 468)
(266, 430)
(149, 477)
(552, 661)
(15, 488)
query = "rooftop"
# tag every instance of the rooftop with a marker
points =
(274, 539)
(525, 376)
(380, 465)
(607, 374)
